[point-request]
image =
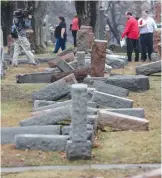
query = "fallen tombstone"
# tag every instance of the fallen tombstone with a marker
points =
(130, 82)
(101, 86)
(90, 92)
(41, 103)
(148, 69)
(56, 90)
(61, 64)
(53, 116)
(68, 58)
(136, 112)
(122, 122)
(40, 77)
(115, 62)
(124, 58)
(108, 51)
(66, 51)
(8, 133)
(41, 142)
(112, 101)
(53, 106)
(80, 74)
(52, 70)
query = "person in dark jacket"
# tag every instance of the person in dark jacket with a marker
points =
(131, 31)
(60, 35)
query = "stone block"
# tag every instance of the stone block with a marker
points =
(78, 150)
(8, 133)
(122, 122)
(62, 64)
(68, 57)
(40, 77)
(81, 59)
(130, 82)
(136, 112)
(91, 104)
(49, 117)
(66, 51)
(90, 93)
(115, 62)
(98, 56)
(82, 40)
(90, 80)
(112, 101)
(110, 89)
(56, 90)
(148, 69)
(41, 103)
(41, 142)
(54, 106)
(52, 70)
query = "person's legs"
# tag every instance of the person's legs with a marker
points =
(150, 44)
(143, 46)
(57, 47)
(63, 44)
(74, 33)
(26, 47)
(16, 52)
(136, 49)
(129, 49)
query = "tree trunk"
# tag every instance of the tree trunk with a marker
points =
(39, 14)
(86, 11)
(80, 74)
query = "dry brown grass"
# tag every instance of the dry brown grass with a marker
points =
(114, 147)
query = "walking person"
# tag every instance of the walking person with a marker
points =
(18, 32)
(147, 26)
(75, 26)
(60, 35)
(131, 31)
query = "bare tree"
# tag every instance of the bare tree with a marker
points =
(86, 11)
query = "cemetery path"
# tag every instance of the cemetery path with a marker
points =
(79, 167)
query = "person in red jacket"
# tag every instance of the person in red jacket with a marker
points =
(131, 31)
(75, 26)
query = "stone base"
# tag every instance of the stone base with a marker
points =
(78, 150)
(41, 142)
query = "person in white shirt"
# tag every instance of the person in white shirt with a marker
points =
(147, 26)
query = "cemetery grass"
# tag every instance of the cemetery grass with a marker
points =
(111, 147)
(80, 174)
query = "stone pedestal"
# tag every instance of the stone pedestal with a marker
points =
(91, 35)
(78, 147)
(82, 40)
(158, 12)
(157, 39)
(81, 59)
(98, 56)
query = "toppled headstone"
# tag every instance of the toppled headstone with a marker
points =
(50, 117)
(130, 82)
(41, 103)
(53, 106)
(90, 80)
(136, 112)
(40, 77)
(56, 90)
(8, 134)
(110, 89)
(115, 62)
(108, 51)
(66, 51)
(98, 56)
(79, 147)
(122, 122)
(41, 142)
(148, 69)
(112, 101)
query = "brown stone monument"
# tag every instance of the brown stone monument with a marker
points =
(98, 56)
